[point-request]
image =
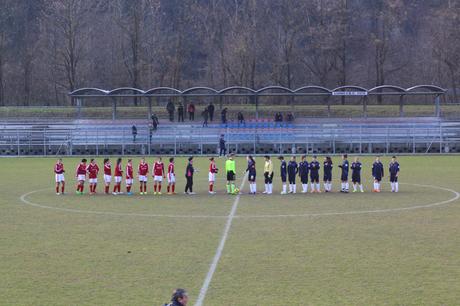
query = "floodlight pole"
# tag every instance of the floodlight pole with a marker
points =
(114, 108)
(401, 105)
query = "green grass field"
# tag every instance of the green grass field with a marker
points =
(315, 249)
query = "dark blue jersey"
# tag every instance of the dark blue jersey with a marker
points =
(283, 169)
(292, 168)
(356, 168)
(314, 168)
(377, 170)
(251, 167)
(327, 166)
(344, 167)
(394, 168)
(303, 169)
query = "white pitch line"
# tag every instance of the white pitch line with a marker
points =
(220, 248)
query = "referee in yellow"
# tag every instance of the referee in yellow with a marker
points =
(268, 174)
(230, 168)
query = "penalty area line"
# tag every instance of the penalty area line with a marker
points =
(220, 248)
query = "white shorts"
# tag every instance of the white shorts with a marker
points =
(60, 178)
(129, 181)
(171, 178)
(142, 178)
(107, 178)
(212, 177)
(158, 178)
(81, 177)
(118, 179)
(93, 181)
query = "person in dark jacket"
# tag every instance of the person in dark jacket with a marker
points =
(394, 173)
(327, 174)
(356, 167)
(314, 175)
(155, 122)
(377, 173)
(134, 132)
(179, 298)
(211, 110)
(222, 149)
(283, 173)
(180, 113)
(223, 115)
(189, 176)
(205, 115)
(292, 169)
(251, 170)
(240, 118)
(170, 108)
(303, 173)
(344, 177)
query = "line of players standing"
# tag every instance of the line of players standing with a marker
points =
(288, 173)
(305, 170)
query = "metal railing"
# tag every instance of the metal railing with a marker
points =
(322, 138)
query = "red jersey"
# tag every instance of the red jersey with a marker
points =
(81, 169)
(143, 169)
(129, 171)
(93, 171)
(107, 169)
(212, 167)
(158, 169)
(59, 168)
(171, 168)
(118, 170)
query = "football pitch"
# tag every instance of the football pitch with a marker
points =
(303, 249)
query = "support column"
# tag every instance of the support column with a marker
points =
(149, 107)
(401, 106)
(256, 101)
(78, 108)
(328, 101)
(437, 111)
(114, 108)
(365, 107)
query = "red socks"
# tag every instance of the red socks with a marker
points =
(159, 188)
(57, 189)
(106, 189)
(173, 187)
(154, 188)
(128, 188)
(211, 186)
(168, 188)
(62, 188)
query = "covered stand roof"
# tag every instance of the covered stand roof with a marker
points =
(265, 91)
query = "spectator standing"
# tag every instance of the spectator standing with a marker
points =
(223, 115)
(205, 115)
(155, 122)
(240, 118)
(222, 150)
(180, 113)
(290, 117)
(134, 132)
(170, 108)
(211, 110)
(191, 112)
